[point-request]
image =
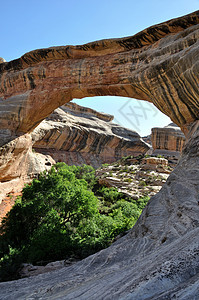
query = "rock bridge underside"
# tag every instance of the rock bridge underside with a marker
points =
(159, 257)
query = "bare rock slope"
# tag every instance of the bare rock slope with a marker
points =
(77, 135)
(136, 177)
(159, 257)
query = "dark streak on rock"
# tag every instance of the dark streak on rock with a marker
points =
(31, 79)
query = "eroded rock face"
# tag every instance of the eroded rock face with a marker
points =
(77, 135)
(18, 160)
(159, 257)
(150, 65)
(160, 65)
(168, 141)
(19, 164)
(2, 60)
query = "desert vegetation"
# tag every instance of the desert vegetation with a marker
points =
(63, 213)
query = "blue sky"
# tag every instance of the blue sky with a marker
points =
(33, 24)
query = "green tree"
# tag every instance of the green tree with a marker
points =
(61, 214)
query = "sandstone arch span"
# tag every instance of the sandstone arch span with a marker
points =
(159, 257)
(159, 65)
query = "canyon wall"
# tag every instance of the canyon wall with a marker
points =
(77, 135)
(168, 141)
(159, 257)
(160, 65)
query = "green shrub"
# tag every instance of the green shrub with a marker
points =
(10, 263)
(142, 183)
(128, 180)
(61, 214)
(105, 165)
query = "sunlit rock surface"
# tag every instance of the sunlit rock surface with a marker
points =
(2, 60)
(76, 135)
(160, 65)
(159, 257)
(168, 141)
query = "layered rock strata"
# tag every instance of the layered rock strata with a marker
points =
(168, 141)
(160, 65)
(159, 257)
(77, 135)
(19, 164)
(2, 60)
(18, 160)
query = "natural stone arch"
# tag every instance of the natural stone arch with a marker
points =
(158, 258)
(159, 65)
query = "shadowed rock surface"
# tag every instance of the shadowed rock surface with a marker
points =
(159, 257)
(77, 135)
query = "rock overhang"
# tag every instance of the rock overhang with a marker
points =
(158, 64)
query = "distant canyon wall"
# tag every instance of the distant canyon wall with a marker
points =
(160, 65)
(168, 141)
(77, 135)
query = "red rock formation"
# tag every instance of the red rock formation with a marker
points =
(152, 65)
(77, 135)
(18, 160)
(169, 138)
(2, 60)
(158, 258)
(158, 65)
(168, 141)
(19, 164)
(7, 203)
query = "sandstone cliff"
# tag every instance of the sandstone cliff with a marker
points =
(73, 134)
(159, 257)
(2, 60)
(167, 141)
(158, 65)
(77, 135)
(19, 164)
